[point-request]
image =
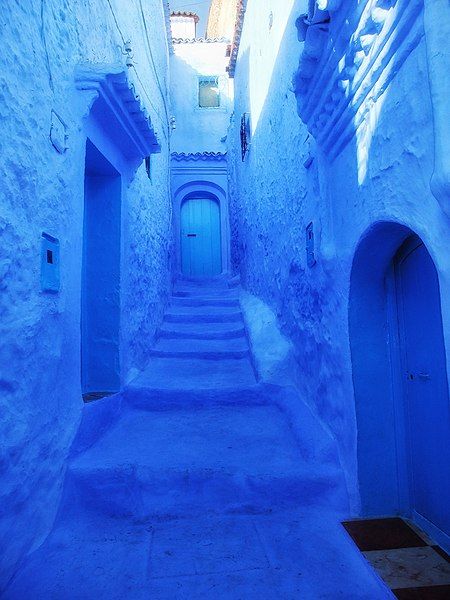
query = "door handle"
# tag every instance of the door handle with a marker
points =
(191, 235)
(424, 376)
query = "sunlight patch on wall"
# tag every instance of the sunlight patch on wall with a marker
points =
(270, 23)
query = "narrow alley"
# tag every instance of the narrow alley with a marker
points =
(225, 300)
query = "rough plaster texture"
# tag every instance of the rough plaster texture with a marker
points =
(42, 190)
(382, 174)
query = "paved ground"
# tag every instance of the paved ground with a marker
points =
(191, 484)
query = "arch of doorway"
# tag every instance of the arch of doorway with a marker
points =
(377, 370)
(202, 189)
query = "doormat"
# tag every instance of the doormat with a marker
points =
(92, 396)
(405, 558)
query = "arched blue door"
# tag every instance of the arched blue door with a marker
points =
(201, 254)
(425, 384)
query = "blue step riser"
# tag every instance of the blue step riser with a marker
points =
(191, 335)
(197, 302)
(221, 295)
(163, 399)
(186, 318)
(205, 355)
(127, 491)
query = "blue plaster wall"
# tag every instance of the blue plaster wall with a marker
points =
(42, 191)
(382, 175)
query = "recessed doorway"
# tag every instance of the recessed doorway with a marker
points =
(100, 303)
(400, 380)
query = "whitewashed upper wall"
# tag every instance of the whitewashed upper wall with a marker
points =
(199, 129)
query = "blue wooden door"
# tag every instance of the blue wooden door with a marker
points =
(201, 254)
(425, 377)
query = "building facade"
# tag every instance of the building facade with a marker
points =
(339, 222)
(202, 100)
(85, 232)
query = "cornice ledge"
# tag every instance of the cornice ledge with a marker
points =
(335, 88)
(129, 121)
(198, 156)
(221, 40)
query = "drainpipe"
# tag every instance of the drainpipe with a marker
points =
(437, 36)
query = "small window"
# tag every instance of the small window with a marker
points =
(208, 92)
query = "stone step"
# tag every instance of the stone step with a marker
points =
(217, 301)
(234, 282)
(219, 283)
(207, 349)
(201, 331)
(196, 374)
(202, 315)
(164, 399)
(190, 292)
(215, 460)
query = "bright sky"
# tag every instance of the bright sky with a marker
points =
(201, 7)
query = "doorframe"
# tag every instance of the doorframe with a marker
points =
(119, 266)
(377, 374)
(202, 189)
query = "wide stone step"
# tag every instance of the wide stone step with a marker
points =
(196, 374)
(220, 459)
(217, 283)
(201, 331)
(218, 301)
(167, 399)
(208, 349)
(202, 315)
(190, 292)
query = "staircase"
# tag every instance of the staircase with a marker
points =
(191, 483)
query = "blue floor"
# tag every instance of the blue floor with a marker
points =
(191, 484)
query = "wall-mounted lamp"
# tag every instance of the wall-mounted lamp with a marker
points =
(173, 123)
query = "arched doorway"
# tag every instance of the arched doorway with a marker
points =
(400, 380)
(201, 254)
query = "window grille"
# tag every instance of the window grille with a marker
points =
(208, 92)
(148, 167)
(245, 134)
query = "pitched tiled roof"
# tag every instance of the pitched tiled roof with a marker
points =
(196, 156)
(242, 5)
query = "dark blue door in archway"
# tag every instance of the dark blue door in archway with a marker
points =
(425, 382)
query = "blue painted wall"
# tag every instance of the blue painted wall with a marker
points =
(42, 190)
(377, 174)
